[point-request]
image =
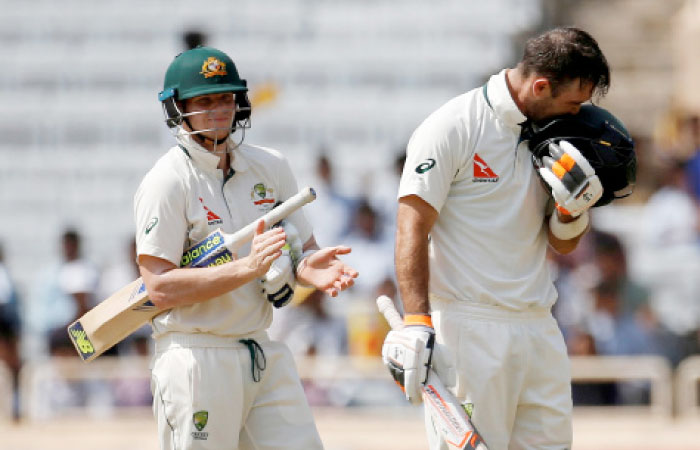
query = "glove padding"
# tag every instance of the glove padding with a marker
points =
(573, 182)
(408, 353)
(279, 281)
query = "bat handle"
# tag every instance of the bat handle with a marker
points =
(387, 308)
(304, 196)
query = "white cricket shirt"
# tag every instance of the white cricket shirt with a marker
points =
(489, 242)
(184, 197)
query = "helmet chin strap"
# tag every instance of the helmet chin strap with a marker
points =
(201, 139)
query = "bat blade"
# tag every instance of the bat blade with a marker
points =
(448, 416)
(446, 413)
(129, 308)
(112, 320)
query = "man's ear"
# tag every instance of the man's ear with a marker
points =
(541, 87)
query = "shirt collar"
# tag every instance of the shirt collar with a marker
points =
(501, 101)
(208, 160)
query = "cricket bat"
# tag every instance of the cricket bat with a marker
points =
(129, 308)
(447, 414)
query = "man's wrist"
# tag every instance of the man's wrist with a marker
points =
(566, 228)
(303, 261)
(423, 319)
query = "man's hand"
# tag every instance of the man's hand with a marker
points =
(324, 271)
(279, 282)
(574, 184)
(407, 353)
(265, 248)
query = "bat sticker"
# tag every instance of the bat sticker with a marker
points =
(82, 342)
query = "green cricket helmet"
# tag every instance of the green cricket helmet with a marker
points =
(202, 71)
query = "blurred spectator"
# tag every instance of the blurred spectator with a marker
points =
(670, 259)
(615, 330)
(582, 343)
(331, 211)
(63, 292)
(620, 318)
(671, 214)
(9, 329)
(193, 38)
(372, 250)
(610, 259)
(307, 328)
(367, 327)
(384, 193)
(618, 332)
(603, 311)
(373, 256)
(692, 131)
(123, 271)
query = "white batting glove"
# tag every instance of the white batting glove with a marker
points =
(408, 353)
(279, 281)
(574, 184)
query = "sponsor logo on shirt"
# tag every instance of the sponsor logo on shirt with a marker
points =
(262, 197)
(151, 224)
(212, 217)
(426, 166)
(482, 171)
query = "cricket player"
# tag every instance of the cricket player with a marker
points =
(218, 381)
(473, 209)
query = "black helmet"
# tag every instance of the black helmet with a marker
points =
(600, 137)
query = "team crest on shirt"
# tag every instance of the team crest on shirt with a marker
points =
(263, 197)
(212, 217)
(200, 419)
(482, 171)
(213, 67)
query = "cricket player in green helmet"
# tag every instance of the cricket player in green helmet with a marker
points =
(218, 381)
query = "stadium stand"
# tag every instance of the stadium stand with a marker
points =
(81, 124)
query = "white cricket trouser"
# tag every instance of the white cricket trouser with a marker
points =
(510, 368)
(205, 397)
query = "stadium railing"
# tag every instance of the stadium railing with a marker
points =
(68, 386)
(6, 396)
(655, 369)
(39, 379)
(687, 387)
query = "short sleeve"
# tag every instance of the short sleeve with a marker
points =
(159, 212)
(435, 153)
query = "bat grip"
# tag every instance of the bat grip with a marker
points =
(387, 308)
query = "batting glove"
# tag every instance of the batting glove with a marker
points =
(279, 281)
(408, 353)
(573, 182)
